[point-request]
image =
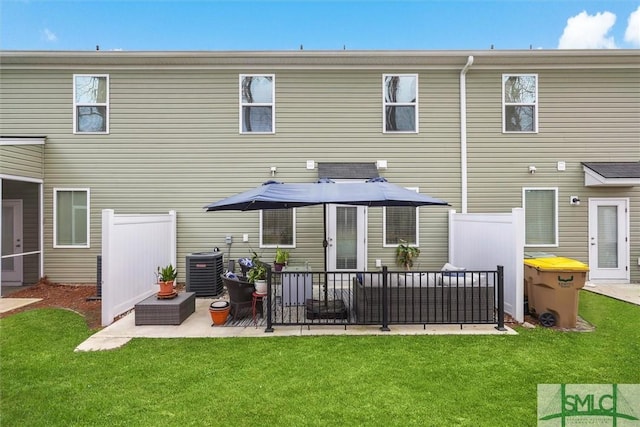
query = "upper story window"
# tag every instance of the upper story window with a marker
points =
(400, 225)
(541, 216)
(71, 217)
(257, 103)
(278, 228)
(90, 103)
(520, 103)
(400, 103)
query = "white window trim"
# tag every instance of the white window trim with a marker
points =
(279, 246)
(98, 104)
(384, 225)
(536, 104)
(400, 104)
(271, 104)
(55, 219)
(557, 214)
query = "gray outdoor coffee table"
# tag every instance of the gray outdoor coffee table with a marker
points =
(154, 311)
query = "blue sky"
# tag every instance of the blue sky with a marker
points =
(317, 25)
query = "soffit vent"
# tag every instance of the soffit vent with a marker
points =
(347, 170)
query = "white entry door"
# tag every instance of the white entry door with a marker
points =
(11, 242)
(346, 237)
(608, 240)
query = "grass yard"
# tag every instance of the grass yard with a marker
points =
(295, 381)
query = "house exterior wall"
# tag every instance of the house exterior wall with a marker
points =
(174, 142)
(585, 115)
(22, 160)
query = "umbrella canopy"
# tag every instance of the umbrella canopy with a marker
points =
(376, 192)
(270, 195)
(277, 195)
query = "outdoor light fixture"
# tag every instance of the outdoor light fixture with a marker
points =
(532, 169)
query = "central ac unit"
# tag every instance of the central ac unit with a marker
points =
(203, 273)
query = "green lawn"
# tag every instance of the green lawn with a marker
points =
(376, 380)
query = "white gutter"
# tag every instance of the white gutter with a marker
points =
(463, 133)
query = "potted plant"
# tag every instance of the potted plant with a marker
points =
(282, 257)
(166, 276)
(257, 275)
(405, 254)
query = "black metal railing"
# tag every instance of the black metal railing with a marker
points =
(385, 298)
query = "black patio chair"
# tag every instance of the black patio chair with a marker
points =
(240, 296)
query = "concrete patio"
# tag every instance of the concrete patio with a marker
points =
(198, 325)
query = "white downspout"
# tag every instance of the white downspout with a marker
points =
(463, 133)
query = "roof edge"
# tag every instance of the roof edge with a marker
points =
(611, 58)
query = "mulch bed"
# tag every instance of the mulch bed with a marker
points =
(56, 295)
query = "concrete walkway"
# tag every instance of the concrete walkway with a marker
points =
(8, 304)
(198, 325)
(623, 291)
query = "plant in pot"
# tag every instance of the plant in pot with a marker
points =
(282, 257)
(166, 276)
(405, 254)
(257, 275)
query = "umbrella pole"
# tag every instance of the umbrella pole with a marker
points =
(325, 244)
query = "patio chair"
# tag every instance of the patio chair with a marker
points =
(240, 296)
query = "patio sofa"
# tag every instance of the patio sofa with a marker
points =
(428, 297)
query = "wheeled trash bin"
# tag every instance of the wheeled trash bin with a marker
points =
(527, 285)
(553, 289)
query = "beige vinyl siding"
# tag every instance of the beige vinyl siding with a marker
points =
(584, 115)
(174, 141)
(174, 144)
(22, 160)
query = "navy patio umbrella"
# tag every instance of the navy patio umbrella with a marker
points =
(277, 195)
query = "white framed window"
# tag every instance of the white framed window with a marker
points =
(400, 103)
(540, 216)
(278, 228)
(257, 103)
(91, 103)
(400, 223)
(71, 212)
(520, 103)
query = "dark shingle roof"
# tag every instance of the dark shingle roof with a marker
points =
(615, 169)
(347, 170)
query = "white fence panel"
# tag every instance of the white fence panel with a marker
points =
(484, 241)
(133, 246)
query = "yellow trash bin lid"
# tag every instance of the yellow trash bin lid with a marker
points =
(556, 264)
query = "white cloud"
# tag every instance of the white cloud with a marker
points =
(585, 31)
(49, 35)
(632, 35)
